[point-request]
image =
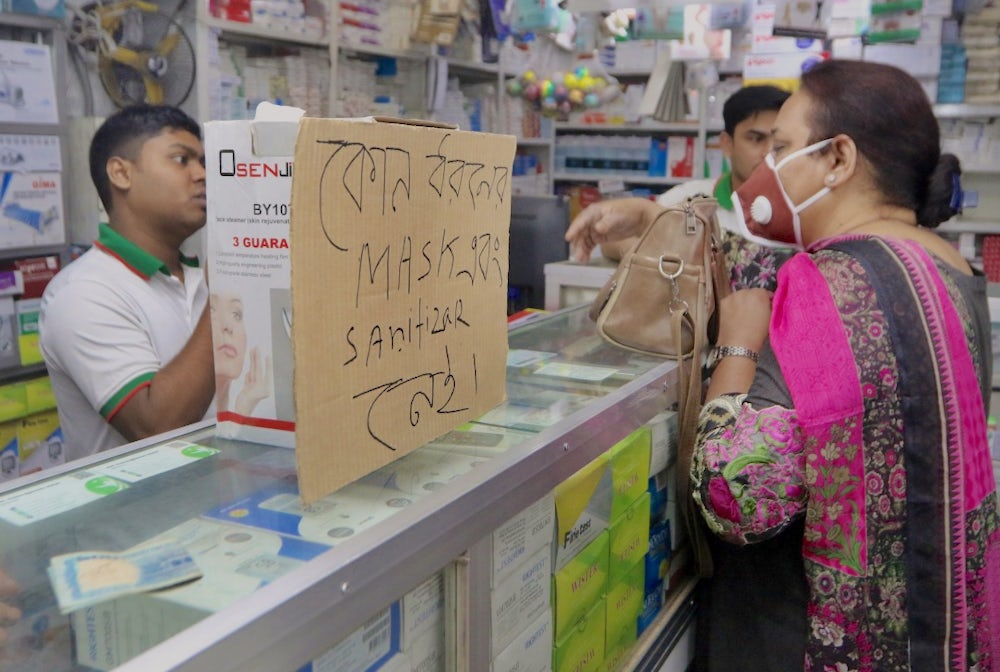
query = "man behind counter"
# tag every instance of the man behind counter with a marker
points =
(748, 116)
(125, 329)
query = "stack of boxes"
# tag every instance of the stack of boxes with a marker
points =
(520, 591)
(663, 454)
(30, 436)
(602, 534)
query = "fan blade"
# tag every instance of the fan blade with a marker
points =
(168, 43)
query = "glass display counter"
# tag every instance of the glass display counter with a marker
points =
(281, 585)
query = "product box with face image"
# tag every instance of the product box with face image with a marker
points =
(235, 561)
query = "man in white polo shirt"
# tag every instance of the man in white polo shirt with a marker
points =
(125, 328)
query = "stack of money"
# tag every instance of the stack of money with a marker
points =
(88, 577)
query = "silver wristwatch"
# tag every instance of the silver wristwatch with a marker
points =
(717, 353)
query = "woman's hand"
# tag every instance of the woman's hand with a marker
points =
(614, 219)
(256, 384)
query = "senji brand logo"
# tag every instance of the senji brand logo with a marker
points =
(230, 167)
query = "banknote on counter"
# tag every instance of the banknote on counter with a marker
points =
(88, 577)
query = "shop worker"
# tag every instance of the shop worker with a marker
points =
(125, 329)
(748, 116)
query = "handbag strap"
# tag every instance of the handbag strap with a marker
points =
(689, 385)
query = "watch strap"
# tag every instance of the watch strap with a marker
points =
(735, 351)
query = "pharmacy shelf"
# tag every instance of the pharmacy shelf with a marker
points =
(963, 111)
(363, 50)
(645, 126)
(534, 142)
(250, 30)
(980, 227)
(623, 177)
(470, 68)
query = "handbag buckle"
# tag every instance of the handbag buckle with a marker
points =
(676, 302)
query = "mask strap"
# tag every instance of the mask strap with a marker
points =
(805, 150)
(812, 199)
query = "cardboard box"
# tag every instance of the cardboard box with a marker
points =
(629, 459)
(583, 509)
(522, 536)
(663, 441)
(423, 612)
(399, 241)
(373, 646)
(582, 649)
(629, 538)
(520, 599)
(531, 650)
(579, 585)
(249, 173)
(31, 197)
(10, 454)
(27, 337)
(28, 93)
(235, 561)
(40, 441)
(624, 604)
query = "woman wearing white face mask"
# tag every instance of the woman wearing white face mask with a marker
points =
(842, 459)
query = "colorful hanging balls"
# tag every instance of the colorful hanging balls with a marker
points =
(514, 87)
(565, 107)
(591, 100)
(600, 83)
(571, 80)
(548, 88)
(528, 76)
(582, 72)
(532, 92)
(561, 93)
(549, 104)
(576, 97)
(586, 82)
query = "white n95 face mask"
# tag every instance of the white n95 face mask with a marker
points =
(765, 213)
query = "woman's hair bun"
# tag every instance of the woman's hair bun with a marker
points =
(944, 193)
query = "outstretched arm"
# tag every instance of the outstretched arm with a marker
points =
(610, 220)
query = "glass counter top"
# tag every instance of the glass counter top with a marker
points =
(236, 503)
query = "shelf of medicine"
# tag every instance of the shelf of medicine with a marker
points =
(534, 142)
(363, 50)
(642, 127)
(490, 70)
(623, 177)
(966, 111)
(980, 227)
(251, 30)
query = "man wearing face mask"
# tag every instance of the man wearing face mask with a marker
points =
(842, 460)
(613, 224)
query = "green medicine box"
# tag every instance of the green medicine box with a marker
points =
(582, 650)
(624, 604)
(579, 585)
(629, 470)
(629, 539)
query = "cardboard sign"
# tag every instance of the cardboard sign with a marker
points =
(399, 251)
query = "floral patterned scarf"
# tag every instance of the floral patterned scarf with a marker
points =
(931, 587)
